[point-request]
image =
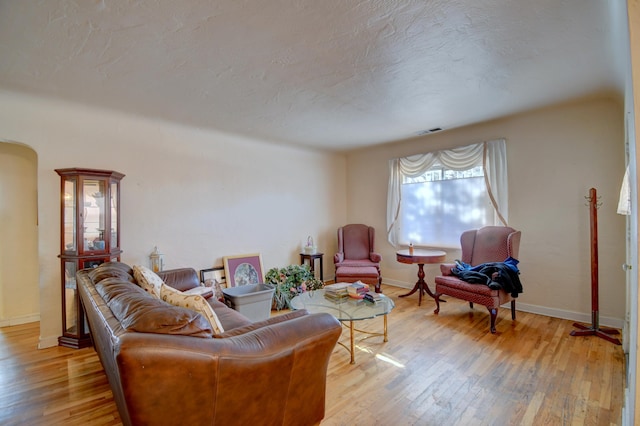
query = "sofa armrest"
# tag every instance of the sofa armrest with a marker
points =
(181, 279)
(183, 380)
(375, 257)
(338, 257)
(445, 268)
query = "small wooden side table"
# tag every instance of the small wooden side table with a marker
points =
(312, 260)
(420, 257)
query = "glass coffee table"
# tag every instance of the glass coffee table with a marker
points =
(346, 310)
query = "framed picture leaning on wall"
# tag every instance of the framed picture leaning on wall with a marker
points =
(214, 278)
(243, 269)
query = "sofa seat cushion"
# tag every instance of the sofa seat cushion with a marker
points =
(194, 302)
(238, 331)
(228, 317)
(139, 311)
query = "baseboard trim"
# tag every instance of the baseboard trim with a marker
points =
(580, 317)
(47, 342)
(20, 320)
(585, 318)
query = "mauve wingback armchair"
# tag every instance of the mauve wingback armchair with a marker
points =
(481, 246)
(356, 259)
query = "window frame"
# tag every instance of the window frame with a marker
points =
(491, 155)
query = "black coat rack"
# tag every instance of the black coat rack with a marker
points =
(594, 329)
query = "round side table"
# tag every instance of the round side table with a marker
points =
(420, 257)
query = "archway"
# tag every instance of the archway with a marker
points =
(19, 275)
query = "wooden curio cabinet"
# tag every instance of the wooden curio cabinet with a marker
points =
(89, 236)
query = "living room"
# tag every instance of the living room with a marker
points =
(201, 194)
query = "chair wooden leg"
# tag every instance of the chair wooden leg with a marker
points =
(471, 305)
(513, 310)
(494, 314)
(436, 296)
(379, 285)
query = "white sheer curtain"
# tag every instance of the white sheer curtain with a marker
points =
(491, 155)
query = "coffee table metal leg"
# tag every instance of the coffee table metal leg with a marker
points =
(352, 343)
(385, 329)
(353, 351)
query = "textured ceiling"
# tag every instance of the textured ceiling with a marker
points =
(332, 74)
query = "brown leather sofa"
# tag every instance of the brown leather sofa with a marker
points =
(166, 367)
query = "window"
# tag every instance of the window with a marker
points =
(435, 197)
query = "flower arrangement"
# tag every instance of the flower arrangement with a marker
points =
(289, 282)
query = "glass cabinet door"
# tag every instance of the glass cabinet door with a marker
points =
(69, 237)
(114, 215)
(93, 215)
(71, 299)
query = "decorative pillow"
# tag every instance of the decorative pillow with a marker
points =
(148, 280)
(194, 302)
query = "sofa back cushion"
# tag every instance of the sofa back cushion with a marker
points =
(111, 270)
(139, 311)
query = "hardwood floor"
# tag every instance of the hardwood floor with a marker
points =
(434, 370)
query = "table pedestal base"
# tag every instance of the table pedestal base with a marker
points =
(421, 286)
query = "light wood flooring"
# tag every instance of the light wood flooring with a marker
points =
(434, 370)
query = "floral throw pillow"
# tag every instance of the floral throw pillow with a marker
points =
(148, 280)
(194, 302)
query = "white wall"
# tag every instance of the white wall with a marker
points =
(554, 156)
(19, 294)
(198, 195)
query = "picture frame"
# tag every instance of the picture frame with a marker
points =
(216, 274)
(243, 269)
(214, 278)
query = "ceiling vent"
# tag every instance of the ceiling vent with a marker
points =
(427, 132)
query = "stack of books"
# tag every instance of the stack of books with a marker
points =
(336, 292)
(372, 297)
(357, 290)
